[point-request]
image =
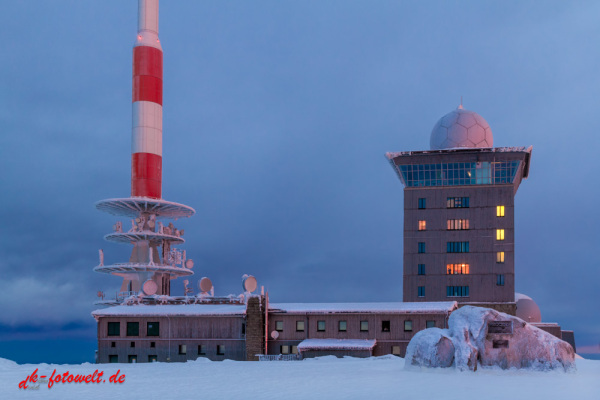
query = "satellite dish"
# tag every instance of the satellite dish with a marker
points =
(249, 283)
(275, 335)
(205, 284)
(150, 287)
(189, 264)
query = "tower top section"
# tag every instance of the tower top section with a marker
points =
(461, 129)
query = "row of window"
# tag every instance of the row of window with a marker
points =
(202, 349)
(286, 349)
(133, 329)
(452, 224)
(458, 269)
(458, 174)
(457, 247)
(457, 291)
(458, 202)
(343, 326)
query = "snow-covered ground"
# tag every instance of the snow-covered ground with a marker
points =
(321, 378)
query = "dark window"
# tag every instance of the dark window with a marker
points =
(152, 358)
(457, 202)
(421, 247)
(385, 326)
(133, 329)
(279, 326)
(113, 344)
(457, 291)
(220, 349)
(132, 344)
(422, 203)
(430, 324)
(114, 329)
(364, 326)
(343, 326)
(500, 280)
(152, 344)
(132, 359)
(299, 326)
(243, 329)
(408, 326)
(153, 329)
(113, 358)
(182, 349)
(201, 349)
(421, 291)
(421, 269)
(457, 247)
(321, 326)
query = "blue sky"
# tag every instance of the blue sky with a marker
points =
(277, 116)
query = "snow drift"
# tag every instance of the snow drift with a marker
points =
(490, 338)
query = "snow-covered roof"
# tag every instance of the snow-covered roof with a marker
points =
(336, 344)
(184, 310)
(389, 308)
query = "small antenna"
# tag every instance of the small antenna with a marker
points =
(461, 106)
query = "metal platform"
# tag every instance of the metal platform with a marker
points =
(134, 268)
(152, 237)
(133, 206)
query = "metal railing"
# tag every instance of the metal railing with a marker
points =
(279, 357)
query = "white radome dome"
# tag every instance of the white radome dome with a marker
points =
(527, 309)
(461, 128)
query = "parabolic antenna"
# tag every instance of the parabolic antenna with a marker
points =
(189, 264)
(150, 287)
(249, 283)
(275, 335)
(205, 284)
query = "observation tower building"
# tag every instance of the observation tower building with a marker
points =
(459, 230)
(154, 259)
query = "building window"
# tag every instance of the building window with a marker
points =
(459, 173)
(279, 326)
(421, 291)
(457, 269)
(430, 324)
(421, 247)
(114, 329)
(152, 344)
(422, 225)
(294, 349)
(243, 328)
(422, 203)
(421, 269)
(133, 329)
(457, 224)
(182, 349)
(152, 358)
(343, 326)
(457, 202)
(284, 349)
(396, 350)
(457, 247)
(299, 326)
(113, 358)
(132, 359)
(408, 326)
(385, 326)
(220, 349)
(321, 326)
(132, 344)
(499, 211)
(113, 344)
(499, 234)
(201, 349)
(457, 291)
(153, 329)
(500, 257)
(364, 326)
(500, 280)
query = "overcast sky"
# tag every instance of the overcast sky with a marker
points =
(277, 116)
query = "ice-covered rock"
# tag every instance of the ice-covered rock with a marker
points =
(490, 338)
(430, 348)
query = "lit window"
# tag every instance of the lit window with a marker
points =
(422, 203)
(457, 224)
(343, 326)
(132, 359)
(408, 326)
(422, 225)
(153, 329)
(133, 329)
(294, 349)
(220, 349)
(385, 326)
(299, 326)
(457, 202)
(500, 257)
(499, 211)
(457, 269)
(321, 326)
(499, 234)
(500, 280)
(396, 350)
(421, 269)
(430, 324)
(285, 349)
(114, 329)
(364, 326)
(279, 326)
(421, 247)
(421, 291)
(182, 349)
